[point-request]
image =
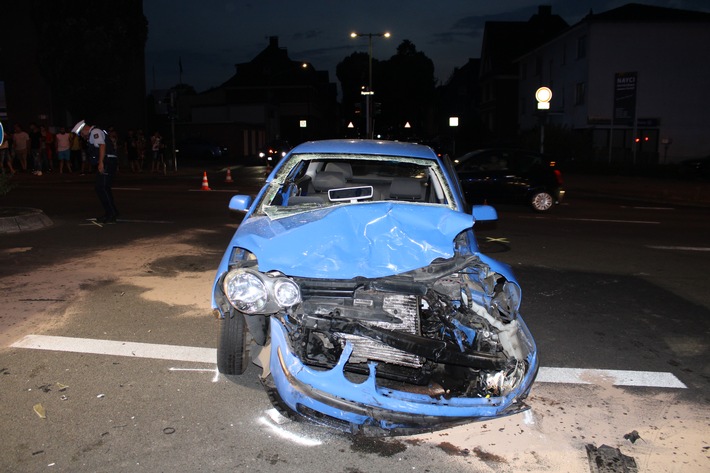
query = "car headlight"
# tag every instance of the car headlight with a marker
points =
(252, 292)
(287, 293)
(245, 291)
(262, 154)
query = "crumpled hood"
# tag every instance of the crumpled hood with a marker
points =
(343, 242)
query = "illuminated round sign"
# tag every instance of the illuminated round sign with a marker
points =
(543, 94)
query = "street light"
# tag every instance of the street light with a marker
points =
(369, 93)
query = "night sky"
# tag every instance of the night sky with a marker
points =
(209, 37)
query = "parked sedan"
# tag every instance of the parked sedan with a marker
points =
(510, 175)
(369, 306)
(697, 168)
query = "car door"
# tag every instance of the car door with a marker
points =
(482, 176)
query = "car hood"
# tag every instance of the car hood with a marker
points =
(369, 240)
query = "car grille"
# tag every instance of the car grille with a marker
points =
(348, 294)
(405, 308)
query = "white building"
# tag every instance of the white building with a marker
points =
(637, 60)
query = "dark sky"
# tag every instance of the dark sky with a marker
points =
(210, 36)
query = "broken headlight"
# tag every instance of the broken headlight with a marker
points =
(253, 292)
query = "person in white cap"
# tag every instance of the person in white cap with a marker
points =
(102, 154)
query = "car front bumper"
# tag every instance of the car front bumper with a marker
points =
(330, 398)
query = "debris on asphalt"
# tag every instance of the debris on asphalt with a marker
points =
(632, 436)
(40, 411)
(606, 459)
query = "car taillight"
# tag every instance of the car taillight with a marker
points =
(558, 176)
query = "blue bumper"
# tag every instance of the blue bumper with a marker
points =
(319, 395)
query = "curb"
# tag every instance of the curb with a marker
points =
(22, 219)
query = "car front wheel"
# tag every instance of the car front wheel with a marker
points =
(542, 201)
(232, 353)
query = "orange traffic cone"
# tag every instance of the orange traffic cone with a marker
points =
(229, 177)
(205, 184)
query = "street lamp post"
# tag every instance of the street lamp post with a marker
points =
(369, 92)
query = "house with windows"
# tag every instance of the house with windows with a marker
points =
(270, 98)
(504, 42)
(632, 82)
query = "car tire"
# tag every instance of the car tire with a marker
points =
(542, 201)
(232, 357)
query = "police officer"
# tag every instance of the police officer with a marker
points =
(103, 156)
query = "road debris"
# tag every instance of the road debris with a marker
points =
(606, 459)
(40, 411)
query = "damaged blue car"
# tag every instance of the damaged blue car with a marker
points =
(355, 281)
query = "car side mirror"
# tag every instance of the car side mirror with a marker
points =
(239, 206)
(240, 203)
(484, 213)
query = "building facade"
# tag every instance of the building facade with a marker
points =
(633, 81)
(271, 98)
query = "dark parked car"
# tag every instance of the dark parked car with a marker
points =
(510, 175)
(200, 148)
(369, 305)
(697, 168)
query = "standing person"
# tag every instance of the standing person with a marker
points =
(47, 147)
(156, 146)
(5, 155)
(21, 146)
(63, 149)
(35, 151)
(100, 149)
(76, 151)
(132, 151)
(140, 148)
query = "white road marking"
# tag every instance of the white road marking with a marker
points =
(209, 355)
(647, 208)
(642, 222)
(233, 191)
(683, 248)
(599, 220)
(118, 348)
(650, 379)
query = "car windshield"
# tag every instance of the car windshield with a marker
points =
(313, 181)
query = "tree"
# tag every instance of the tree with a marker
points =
(404, 87)
(88, 50)
(406, 91)
(352, 72)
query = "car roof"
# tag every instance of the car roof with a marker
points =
(374, 147)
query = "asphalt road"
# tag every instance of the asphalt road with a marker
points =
(607, 285)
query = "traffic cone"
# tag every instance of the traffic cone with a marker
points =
(229, 177)
(205, 184)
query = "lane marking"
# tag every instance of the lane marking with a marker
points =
(647, 208)
(599, 220)
(642, 222)
(233, 191)
(651, 379)
(118, 348)
(683, 248)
